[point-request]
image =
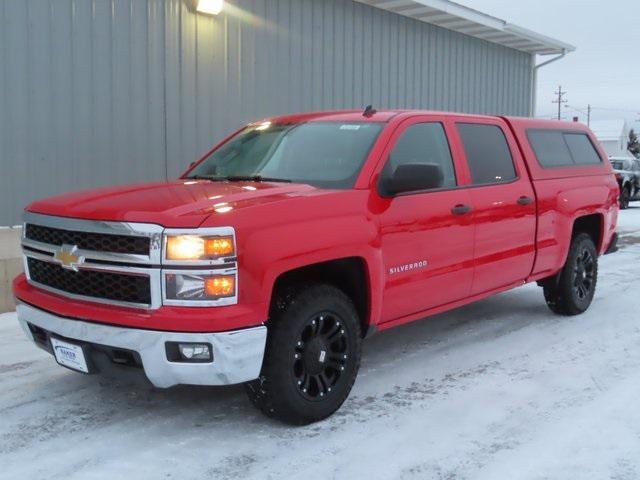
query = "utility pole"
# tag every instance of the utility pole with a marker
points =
(560, 101)
(586, 112)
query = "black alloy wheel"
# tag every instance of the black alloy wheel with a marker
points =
(571, 291)
(320, 356)
(584, 273)
(312, 355)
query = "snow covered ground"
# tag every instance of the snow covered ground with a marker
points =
(501, 389)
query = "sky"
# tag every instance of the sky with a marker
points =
(604, 71)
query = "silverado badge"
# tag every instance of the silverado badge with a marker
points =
(67, 258)
(408, 266)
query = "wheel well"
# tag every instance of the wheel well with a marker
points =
(347, 274)
(591, 225)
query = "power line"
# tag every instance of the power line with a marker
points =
(590, 109)
(618, 109)
(560, 101)
(588, 112)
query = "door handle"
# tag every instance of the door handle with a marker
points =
(461, 209)
(524, 200)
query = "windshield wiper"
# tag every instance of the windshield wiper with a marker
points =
(239, 178)
(211, 178)
(255, 178)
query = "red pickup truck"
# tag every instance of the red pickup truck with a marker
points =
(272, 258)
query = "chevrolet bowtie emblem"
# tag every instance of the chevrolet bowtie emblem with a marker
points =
(67, 258)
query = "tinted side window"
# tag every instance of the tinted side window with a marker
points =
(550, 148)
(582, 150)
(554, 148)
(424, 143)
(488, 153)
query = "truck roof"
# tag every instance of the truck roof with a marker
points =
(335, 116)
(527, 123)
(386, 115)
(357, 116)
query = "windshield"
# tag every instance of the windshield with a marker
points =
(323, 154)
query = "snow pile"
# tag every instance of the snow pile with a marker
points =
(499, 389)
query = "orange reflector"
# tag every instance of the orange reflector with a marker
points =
(218, 246)
(221, 286)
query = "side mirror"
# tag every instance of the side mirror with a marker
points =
(413, 177)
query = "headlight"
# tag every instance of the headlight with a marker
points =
(200, 267)
(197, 287)
(198, 248)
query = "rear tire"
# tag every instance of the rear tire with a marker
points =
(571, 291)
(625, 198)
(312, 355)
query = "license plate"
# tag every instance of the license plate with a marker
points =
(69, 355)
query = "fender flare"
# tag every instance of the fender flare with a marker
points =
(373, 265)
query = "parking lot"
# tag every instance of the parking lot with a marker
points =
(498, 389)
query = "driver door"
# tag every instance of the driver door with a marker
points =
(427, 236)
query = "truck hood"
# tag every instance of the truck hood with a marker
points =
(175, 204)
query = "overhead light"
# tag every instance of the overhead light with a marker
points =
(210, 7)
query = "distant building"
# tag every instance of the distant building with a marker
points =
(613, 135)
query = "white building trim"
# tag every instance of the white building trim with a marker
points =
(452, 16)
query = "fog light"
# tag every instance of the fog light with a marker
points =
(189, 352)
(195, 351)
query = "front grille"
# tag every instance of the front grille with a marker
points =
(99, 242)
(91, 283)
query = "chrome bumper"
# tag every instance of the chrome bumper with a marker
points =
(237, 355)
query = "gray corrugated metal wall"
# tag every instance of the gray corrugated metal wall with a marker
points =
(96, 92)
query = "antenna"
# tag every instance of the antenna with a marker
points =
(369, 111)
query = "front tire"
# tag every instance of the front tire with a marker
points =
(571, 291)
(312, 355)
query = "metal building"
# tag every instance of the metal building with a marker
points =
(96, 92)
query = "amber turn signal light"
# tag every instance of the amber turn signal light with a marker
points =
(218, 246)
(220, 286)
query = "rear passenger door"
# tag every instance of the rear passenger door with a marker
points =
(503, 201)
